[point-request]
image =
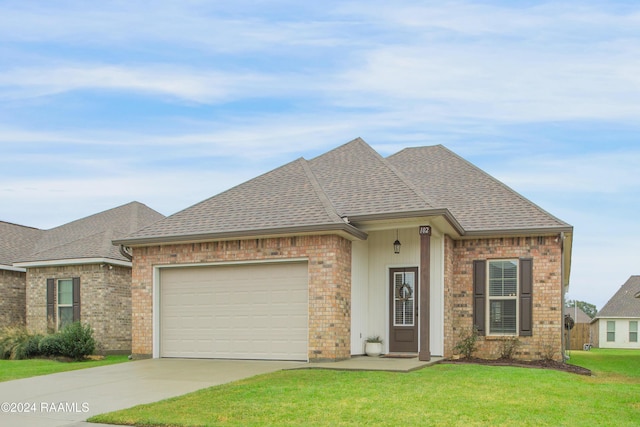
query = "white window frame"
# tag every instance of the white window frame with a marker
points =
(612, 331)
(633, 330)
(58, 305)
(490, 298)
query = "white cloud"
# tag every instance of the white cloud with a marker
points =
(188, 84)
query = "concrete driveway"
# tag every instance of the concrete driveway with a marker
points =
(69, 398)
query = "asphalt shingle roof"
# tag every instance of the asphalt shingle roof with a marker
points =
(16, 241)
(477, 200)
(577, 314)
(624, 303)
(353, 180)
(90, 237)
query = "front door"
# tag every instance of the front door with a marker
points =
(403, 322)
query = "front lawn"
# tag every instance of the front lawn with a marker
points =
(16, 369)
(441, 395)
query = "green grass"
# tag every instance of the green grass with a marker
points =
(16, 369)
(441, 395)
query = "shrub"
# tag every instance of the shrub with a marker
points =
(18, 343)
(509, 347)
(76, 341)
(467, 344)
(50, 345)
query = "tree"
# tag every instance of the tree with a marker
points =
(589, 309)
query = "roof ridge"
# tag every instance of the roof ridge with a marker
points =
(20, 225)
(322, 195)
(408, 183)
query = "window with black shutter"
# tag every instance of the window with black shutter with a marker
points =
(502, 297)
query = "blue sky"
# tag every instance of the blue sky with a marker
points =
(169, 103)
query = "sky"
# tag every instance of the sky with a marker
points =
(171, 102)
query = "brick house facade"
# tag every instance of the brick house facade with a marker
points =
(13, 301)
(105, 295)
(546, 253)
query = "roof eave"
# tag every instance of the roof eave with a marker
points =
(12, 268)
(349, 231)
(445, 213)
(532, 231)
(71, 261)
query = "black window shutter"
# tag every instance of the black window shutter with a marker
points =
(479, 290)
(526, 300)
(51, 304)
(76, 299)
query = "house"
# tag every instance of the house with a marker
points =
(308, 260)
(616, 324)
(15, 242)
(73, 272)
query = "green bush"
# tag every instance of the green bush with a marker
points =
(467, 344)
(76, 341)
(50, 345)
(17, 343)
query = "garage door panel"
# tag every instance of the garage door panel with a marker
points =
(257, 311)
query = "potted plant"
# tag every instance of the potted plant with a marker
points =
(373, 347)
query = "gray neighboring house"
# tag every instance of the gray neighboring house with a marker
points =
(616, 325)
(73, 272)
(16, 241)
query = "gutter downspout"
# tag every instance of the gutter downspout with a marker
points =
(125, 251)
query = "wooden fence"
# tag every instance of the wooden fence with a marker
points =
(580, 335)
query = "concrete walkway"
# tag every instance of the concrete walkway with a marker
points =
(364, 363)
(69, 398)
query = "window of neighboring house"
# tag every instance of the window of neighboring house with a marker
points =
(633, 331)
(65, 303)
(502, 301)
(611, 330)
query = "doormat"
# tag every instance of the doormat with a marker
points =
(400, 356)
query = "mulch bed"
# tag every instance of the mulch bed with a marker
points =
(539, 364)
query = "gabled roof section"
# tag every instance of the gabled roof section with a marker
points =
(16, 241)
(90, 237)
(281, 201)
(624, 303)
(358, 181)
(480, 203)
(577, 314)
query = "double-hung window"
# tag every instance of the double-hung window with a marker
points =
(65, 303)
(611, 330)
(502, 296)
(633, 331)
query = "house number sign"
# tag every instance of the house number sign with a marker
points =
(425, 230)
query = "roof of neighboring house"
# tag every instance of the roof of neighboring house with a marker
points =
(352, 184)
(90, 237)
(577, 314)
(624, 303)
(16, 241)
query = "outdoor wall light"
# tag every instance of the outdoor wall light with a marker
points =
(396, 244)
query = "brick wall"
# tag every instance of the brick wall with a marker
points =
(329, 284)
(13, 299)
(547, 293)
(105, 301)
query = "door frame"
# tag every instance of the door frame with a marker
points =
(413, 345)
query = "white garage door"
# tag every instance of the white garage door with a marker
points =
(249, 311)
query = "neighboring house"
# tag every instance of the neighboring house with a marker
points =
(308, 260)
(580, 334)
(616, 324)
(73, 272)
(15, 242)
